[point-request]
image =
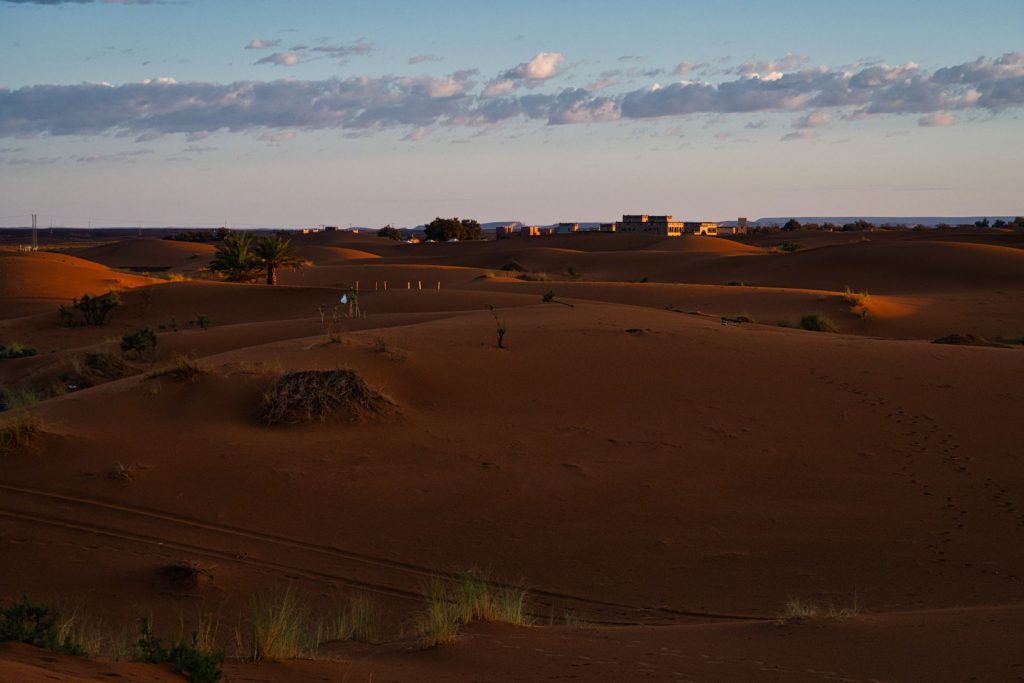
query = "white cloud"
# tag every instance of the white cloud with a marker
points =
(420, 59)
(684, 68)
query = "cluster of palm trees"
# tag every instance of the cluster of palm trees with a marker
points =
(243, 258)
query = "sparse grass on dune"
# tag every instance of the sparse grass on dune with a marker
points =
(184, 368)
(283, 626)
(450, 604)
(816, 322)
(798, 608)
(855, 298)
(17, 428)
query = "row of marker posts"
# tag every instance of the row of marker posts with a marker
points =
(408, 285)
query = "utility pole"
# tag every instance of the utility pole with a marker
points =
(35, 234)
(140, 228)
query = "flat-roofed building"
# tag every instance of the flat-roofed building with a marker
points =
(568, 227)
(530, 231)
(700, 228)
(655, 225)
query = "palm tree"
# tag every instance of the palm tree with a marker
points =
(274, 253)
(236, 258)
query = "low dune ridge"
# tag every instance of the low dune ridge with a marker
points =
(47, 275)
(151, 254)
(685, 487)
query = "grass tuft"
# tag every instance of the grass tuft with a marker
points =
(20, 427)
(470, 597)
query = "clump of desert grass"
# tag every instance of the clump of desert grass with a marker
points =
(282, 625)
(183, 368)
(470, 596)
(798, 608)
(314, 395)
(533, 277)
(389, 349)
(854, 298)
(816, 322)
(17, 428)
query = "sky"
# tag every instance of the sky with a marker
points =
(288, 113)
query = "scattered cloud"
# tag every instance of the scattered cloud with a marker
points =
(812, 119)
(420, 59)
(119, 156)
(282, 58)
(362, 105)
(85, 2)
(756, 125)
(684, 68)
(938, 119)
(260, 44)
(790, 62)
(799, 135)
(345, 50)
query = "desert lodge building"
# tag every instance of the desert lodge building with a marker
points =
(664, 225)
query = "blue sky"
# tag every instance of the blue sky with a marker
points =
(358, 112)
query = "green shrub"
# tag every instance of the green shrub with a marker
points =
(198, 664)
(95, 310)
(19, 429)
(791, 246)
(201, 321)
(816, 322)
(139, 341)
(37, 625)
(16, 350)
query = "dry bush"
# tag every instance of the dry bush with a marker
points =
(95, 368)
(308, 395)
(185, 575)
(381, 345)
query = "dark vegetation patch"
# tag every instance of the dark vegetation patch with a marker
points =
(315, 395)
(968, 340)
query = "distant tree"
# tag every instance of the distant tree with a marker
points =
(389, 231)
(274, 253)
(791, 224)
(999, 223)
(221, 233)
(236, 258)
(1018, 222)
(444, 229)
(983, 223)
(859, 224)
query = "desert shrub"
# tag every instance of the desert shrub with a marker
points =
(95, 368)
(513, 265)
(735, 283)
(855, 298)
(549, 298)
(187, 657)
(382, 345)
(439, 623)
(139, 341)
(16, 350)
(533, 277)
(171, 325)
(37, 625)
(501, 327)
(201, 321)
(19, 427)
(816, 322)
(737, 319)
(791, 246)
(1019, 339)
(308, 395)
(390, 232)
(94, 310)
(572, 271)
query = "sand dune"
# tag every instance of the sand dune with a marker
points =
(668, 479)
(150, 254)
(44, 275)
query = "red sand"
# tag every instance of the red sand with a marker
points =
(667, 478)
